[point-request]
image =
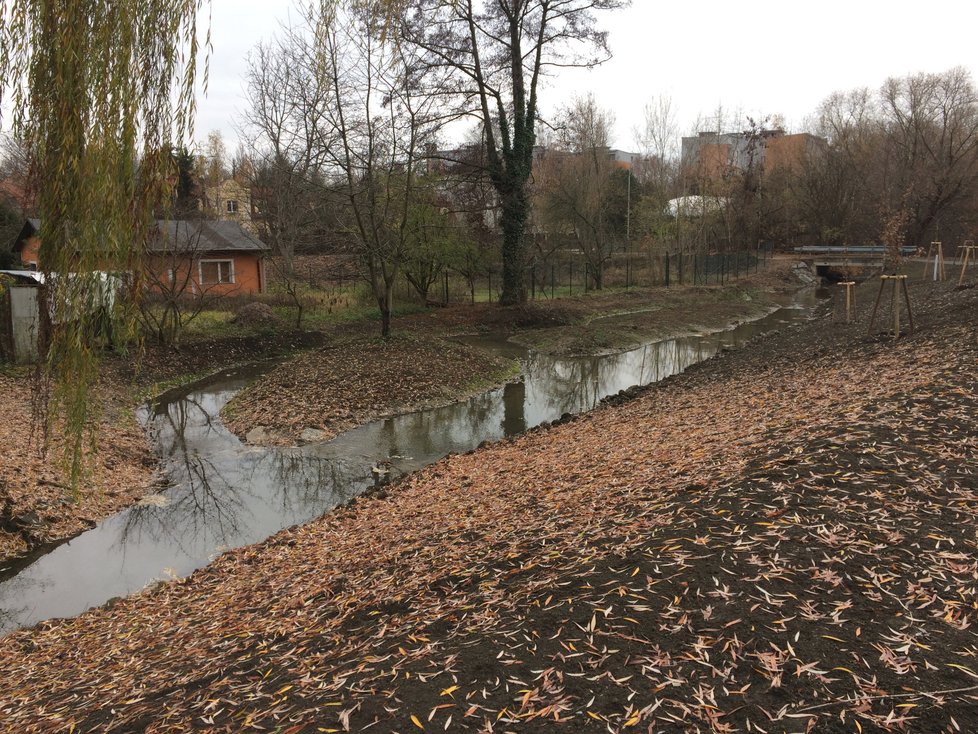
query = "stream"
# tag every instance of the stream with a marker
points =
(224, 494)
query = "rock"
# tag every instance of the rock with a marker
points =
(258, 435)
(313, 435)
(28, 520)
(804, 273)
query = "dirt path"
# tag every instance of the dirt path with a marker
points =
(781, 539)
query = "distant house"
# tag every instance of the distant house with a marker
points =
(218, 257)
(230, 201)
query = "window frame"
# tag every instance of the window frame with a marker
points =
(231, 206)
(218, 260)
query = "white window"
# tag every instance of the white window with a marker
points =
(232, 206)
(215, 272)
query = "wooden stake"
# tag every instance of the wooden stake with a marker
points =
(899, 285)
(876, 306)
(906, 297)
(850, 300)
(968, 248)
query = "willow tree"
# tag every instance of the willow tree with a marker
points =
(99, 89)
(499, 51)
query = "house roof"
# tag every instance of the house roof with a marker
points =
(30, 228)
(204, 236)
(196, 235)
(24, 276)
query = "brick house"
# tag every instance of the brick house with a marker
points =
(219, 257)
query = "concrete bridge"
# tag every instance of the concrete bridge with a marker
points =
(827, 257)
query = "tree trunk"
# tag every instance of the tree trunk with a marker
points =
(515, 212)
(386, 304)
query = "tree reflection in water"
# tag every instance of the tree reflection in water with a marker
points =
(224, 498)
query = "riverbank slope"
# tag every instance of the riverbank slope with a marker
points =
(780, 538)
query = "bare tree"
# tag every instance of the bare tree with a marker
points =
(911, 147)
(497, 53)
(382, 117)
(658, 142)
(288, 133)
(932, 125)
(174, 296)
(577, 184)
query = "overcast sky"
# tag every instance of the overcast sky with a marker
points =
(760, 58)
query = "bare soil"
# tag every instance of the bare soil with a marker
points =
(779, 540)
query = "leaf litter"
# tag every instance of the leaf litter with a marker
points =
(782, 540)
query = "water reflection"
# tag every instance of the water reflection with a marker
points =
(224, 494)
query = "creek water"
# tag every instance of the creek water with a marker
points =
(224, 494)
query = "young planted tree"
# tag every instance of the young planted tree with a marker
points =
(497, 52)
(95, 88)
(381, 117)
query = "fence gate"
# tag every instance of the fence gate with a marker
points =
(24, 322)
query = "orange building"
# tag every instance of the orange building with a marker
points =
(791, 152)
(219, 258)
(712, 156)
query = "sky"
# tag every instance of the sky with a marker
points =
(761, 58)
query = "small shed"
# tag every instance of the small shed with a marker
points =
(220, 257)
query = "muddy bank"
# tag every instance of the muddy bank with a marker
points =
(315, 396)
(319, 394)
(36, 503)
(37, 507)
(669, 315)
